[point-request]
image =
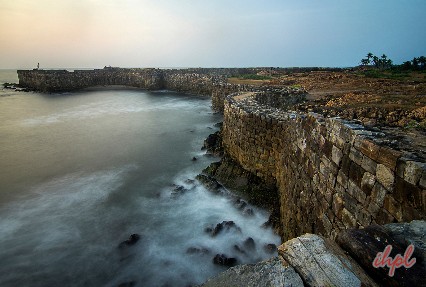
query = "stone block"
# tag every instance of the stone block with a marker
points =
(368, 148)
(327, 148)
(400, 167)
(388, 157)
(422, 181)
(373, 209)
(413, 171)
(363, 217)
(348, 219)
(327, 224)
(355, 155)
(336, 155)
(393, 207)
(408, 193)
(378, 194)
(356, 192)
(368, 164)
(356, 173)
(367, 182)
(383, 217)
(346, 163)
(337, 205)
(385, 176)
(342, 179)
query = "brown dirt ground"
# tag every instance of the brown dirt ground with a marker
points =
(398, 105)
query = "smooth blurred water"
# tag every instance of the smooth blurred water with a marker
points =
(80, 172)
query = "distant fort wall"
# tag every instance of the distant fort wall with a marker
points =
(197, 80)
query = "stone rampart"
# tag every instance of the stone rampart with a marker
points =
(331, 174)
(197, 80)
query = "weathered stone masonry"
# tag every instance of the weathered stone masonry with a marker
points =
(331, 174)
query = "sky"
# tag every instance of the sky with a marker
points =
(208, 33)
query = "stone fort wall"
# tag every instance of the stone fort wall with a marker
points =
(331, 174)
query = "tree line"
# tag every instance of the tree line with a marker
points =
(383, 62)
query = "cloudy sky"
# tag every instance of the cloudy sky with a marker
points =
(207, 33)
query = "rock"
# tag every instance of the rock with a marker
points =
(194, 158)
(249, 244)
(129, 242)
(240, 204)
(321, 262)
(273, 273)
(178, 191)
(128, 284)
(248, 212)
(210, 183)
(270, 248)
(223, 226)
(239, 249)
(222, 259)
(364, 244)
(213, 144)
(197, 250)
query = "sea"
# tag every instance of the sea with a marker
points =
(81, 172)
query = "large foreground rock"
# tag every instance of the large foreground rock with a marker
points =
(321, 262)
(364, 244)
(270, 273)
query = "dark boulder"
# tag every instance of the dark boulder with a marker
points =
(222, 259)
(223, 226)
(270, 248)
(213, 144)
(129, 242)
(178, 190)
(249, 244)
(197, 250)
(240, 204)
(128, 284)
(248, 212)
(239, 249)
(364, 245)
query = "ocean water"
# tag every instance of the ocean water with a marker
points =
(80, 172)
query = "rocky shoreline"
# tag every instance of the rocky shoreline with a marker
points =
(311, 260)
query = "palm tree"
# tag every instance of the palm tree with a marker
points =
(422, 61)
(369, 57)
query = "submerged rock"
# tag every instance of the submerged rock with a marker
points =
(248, 212)
(273, 272)
(178, 191)
(129, 242)
(128, 284)
(223, 226)
(197, 250)
(249, 244)
(222, 259)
